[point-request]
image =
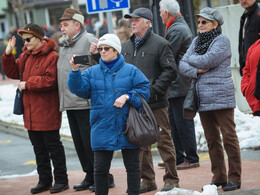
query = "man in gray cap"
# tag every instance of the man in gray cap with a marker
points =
(153, 56)
(76, 41)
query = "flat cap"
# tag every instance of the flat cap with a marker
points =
(141, 12)
(72, 14)
(211, 14)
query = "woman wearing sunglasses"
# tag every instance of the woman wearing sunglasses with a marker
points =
(113, 85)
(36, 67)
(208, 60)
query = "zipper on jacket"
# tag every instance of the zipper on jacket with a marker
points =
(142, 54)
(135, 53)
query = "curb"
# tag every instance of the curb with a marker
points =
(66, 140)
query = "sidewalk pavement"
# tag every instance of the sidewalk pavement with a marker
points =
(192, 179)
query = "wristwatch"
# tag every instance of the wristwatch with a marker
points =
(127, 97)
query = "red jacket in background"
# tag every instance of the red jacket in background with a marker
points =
(40, 98)
(249, 76)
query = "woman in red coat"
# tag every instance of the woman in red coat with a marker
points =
(38, 67)
(251, 78)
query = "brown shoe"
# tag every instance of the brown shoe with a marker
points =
(144, 187)
(169, 186)
(161, 164)
(187, 165)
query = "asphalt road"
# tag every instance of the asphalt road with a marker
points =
(17, 156)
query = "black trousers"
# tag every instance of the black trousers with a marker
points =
(47, 146)
(102, 165)
(183, 132)
(80, 131)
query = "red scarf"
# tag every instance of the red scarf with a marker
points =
(170, 23)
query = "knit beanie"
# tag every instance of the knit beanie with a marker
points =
(111, 40)
(33, 29)
(72, 14)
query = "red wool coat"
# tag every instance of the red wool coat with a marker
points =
(249, 76)
(40, 98)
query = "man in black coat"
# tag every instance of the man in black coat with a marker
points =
(153, 56)
(249, 29)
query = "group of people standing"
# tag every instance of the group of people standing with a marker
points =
(156, 68)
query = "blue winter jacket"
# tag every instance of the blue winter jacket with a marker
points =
(104, 86)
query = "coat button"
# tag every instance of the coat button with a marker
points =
(119, 133)
(116, 91)
(118, 112)
(114, 73)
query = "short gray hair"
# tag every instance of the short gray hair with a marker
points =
(171, 6)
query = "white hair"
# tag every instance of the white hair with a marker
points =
(171, 6)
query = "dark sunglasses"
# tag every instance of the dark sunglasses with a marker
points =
(28, 39)
(105, 48)
(203, 22)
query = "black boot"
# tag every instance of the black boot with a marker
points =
(41, 187)
(59, 188)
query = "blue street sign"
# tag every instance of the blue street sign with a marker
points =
(95, 6)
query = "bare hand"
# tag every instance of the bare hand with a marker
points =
(93, 48)
(11, 45)
(120, 102)
(75, 67)
(21, 85)
(202, 70)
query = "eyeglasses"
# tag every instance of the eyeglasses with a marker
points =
(203, 22)
(103, 48)
(28, 39)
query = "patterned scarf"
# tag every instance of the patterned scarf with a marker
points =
(205, 39)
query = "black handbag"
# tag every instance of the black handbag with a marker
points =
(18, 101)
(191, 102)
(141, 128)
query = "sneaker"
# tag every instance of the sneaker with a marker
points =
(144, 187)
(169, 186)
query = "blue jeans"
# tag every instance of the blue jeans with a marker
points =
(183, 132)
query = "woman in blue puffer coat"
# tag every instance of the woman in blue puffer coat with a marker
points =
(113, 85)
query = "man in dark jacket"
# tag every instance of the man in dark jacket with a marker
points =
(183, 132)
(153, 56)
(249, 29)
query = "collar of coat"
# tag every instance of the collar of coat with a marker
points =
(148, 34)
(74, 40)
(47, 46)
(250, 11)
(118, 64)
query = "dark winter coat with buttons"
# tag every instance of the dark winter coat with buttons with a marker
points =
(155, 59)
(103, 86)
(40, 98)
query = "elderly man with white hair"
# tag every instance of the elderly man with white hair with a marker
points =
(183, 132)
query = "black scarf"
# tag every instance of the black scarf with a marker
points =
(204, 40)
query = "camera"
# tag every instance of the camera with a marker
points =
(82, 59)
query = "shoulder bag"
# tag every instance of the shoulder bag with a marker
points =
(142, 129)
(191, 102)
